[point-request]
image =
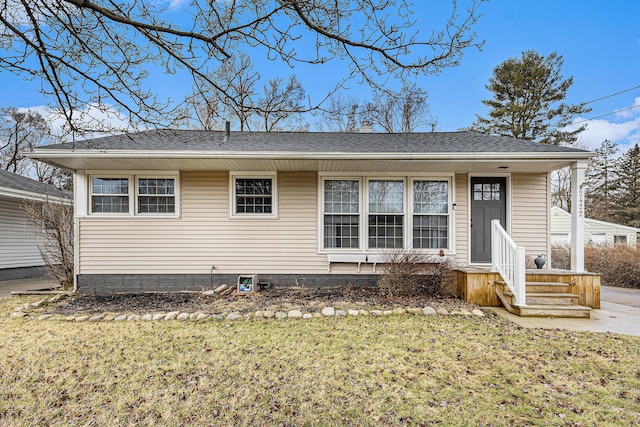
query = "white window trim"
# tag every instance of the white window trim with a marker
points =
(133, 193)
(108, 176)
(450, 213)
(363, 180)
(175, 195)
(626, 237)
(321, 247)
(366, 212)
(233, 175)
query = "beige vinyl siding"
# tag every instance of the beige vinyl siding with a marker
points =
(530, 205)
(204, 235)
(18, 238)
(609, 231)
(462, 218)
(561, 224)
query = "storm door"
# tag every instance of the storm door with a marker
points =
(488, 201)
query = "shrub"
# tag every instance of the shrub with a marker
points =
(411, 272)
(619, 265)
(55, 224)
(561, 257)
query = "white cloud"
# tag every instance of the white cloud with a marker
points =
(622, 128)
(101, 118)
(598, 130)
(627, 112)
(176, 4)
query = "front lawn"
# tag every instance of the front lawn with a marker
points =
(395, 370)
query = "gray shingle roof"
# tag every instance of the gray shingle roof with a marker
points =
(18, 182)
(315, 142)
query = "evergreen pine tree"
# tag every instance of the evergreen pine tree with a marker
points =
(601, 182)
(528, 101)
(628, 188)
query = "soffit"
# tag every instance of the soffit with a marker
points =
(322, 165)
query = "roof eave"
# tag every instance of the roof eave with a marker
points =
(28, 195)
(294, 155)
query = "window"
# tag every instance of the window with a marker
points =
(253, 196)
(620, 239)
(598, 239)
(430, 214)
(109, 195)
(156, 195)
(114, 195)
(371, 214)
(386, 214)
(560, 239)
(486, 191)
(341, 214)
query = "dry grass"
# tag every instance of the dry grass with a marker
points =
(333, 371)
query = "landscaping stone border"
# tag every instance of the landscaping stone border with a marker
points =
(22, 312)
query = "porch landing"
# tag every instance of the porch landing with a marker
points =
(550, 292)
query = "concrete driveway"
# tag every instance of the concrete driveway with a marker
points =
(30, 284)
(620, 313)
(624, 296)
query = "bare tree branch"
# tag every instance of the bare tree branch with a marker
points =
(100, 52)
(20, 131)
(403, 111)
(55, 223)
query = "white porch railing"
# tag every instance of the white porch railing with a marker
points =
(508, 259)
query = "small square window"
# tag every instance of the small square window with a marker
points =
(253, 196)
(156, 195)
(620, 239)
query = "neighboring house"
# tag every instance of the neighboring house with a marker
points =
(19, 239)
(179, 209)
(595, 231)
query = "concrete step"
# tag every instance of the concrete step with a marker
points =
(545, 298)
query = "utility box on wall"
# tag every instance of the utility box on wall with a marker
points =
(247, 283)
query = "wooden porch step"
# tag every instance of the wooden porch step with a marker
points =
(547, 298)
(572, 311)
(544, 304)
(546, 287)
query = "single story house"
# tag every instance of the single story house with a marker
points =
(172, 210)
(595, 231)
(19, 238)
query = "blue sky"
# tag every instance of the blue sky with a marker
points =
(600, 42)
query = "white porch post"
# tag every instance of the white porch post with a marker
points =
(577, 216)
(80, 209)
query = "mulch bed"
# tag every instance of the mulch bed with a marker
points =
(304, 299)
